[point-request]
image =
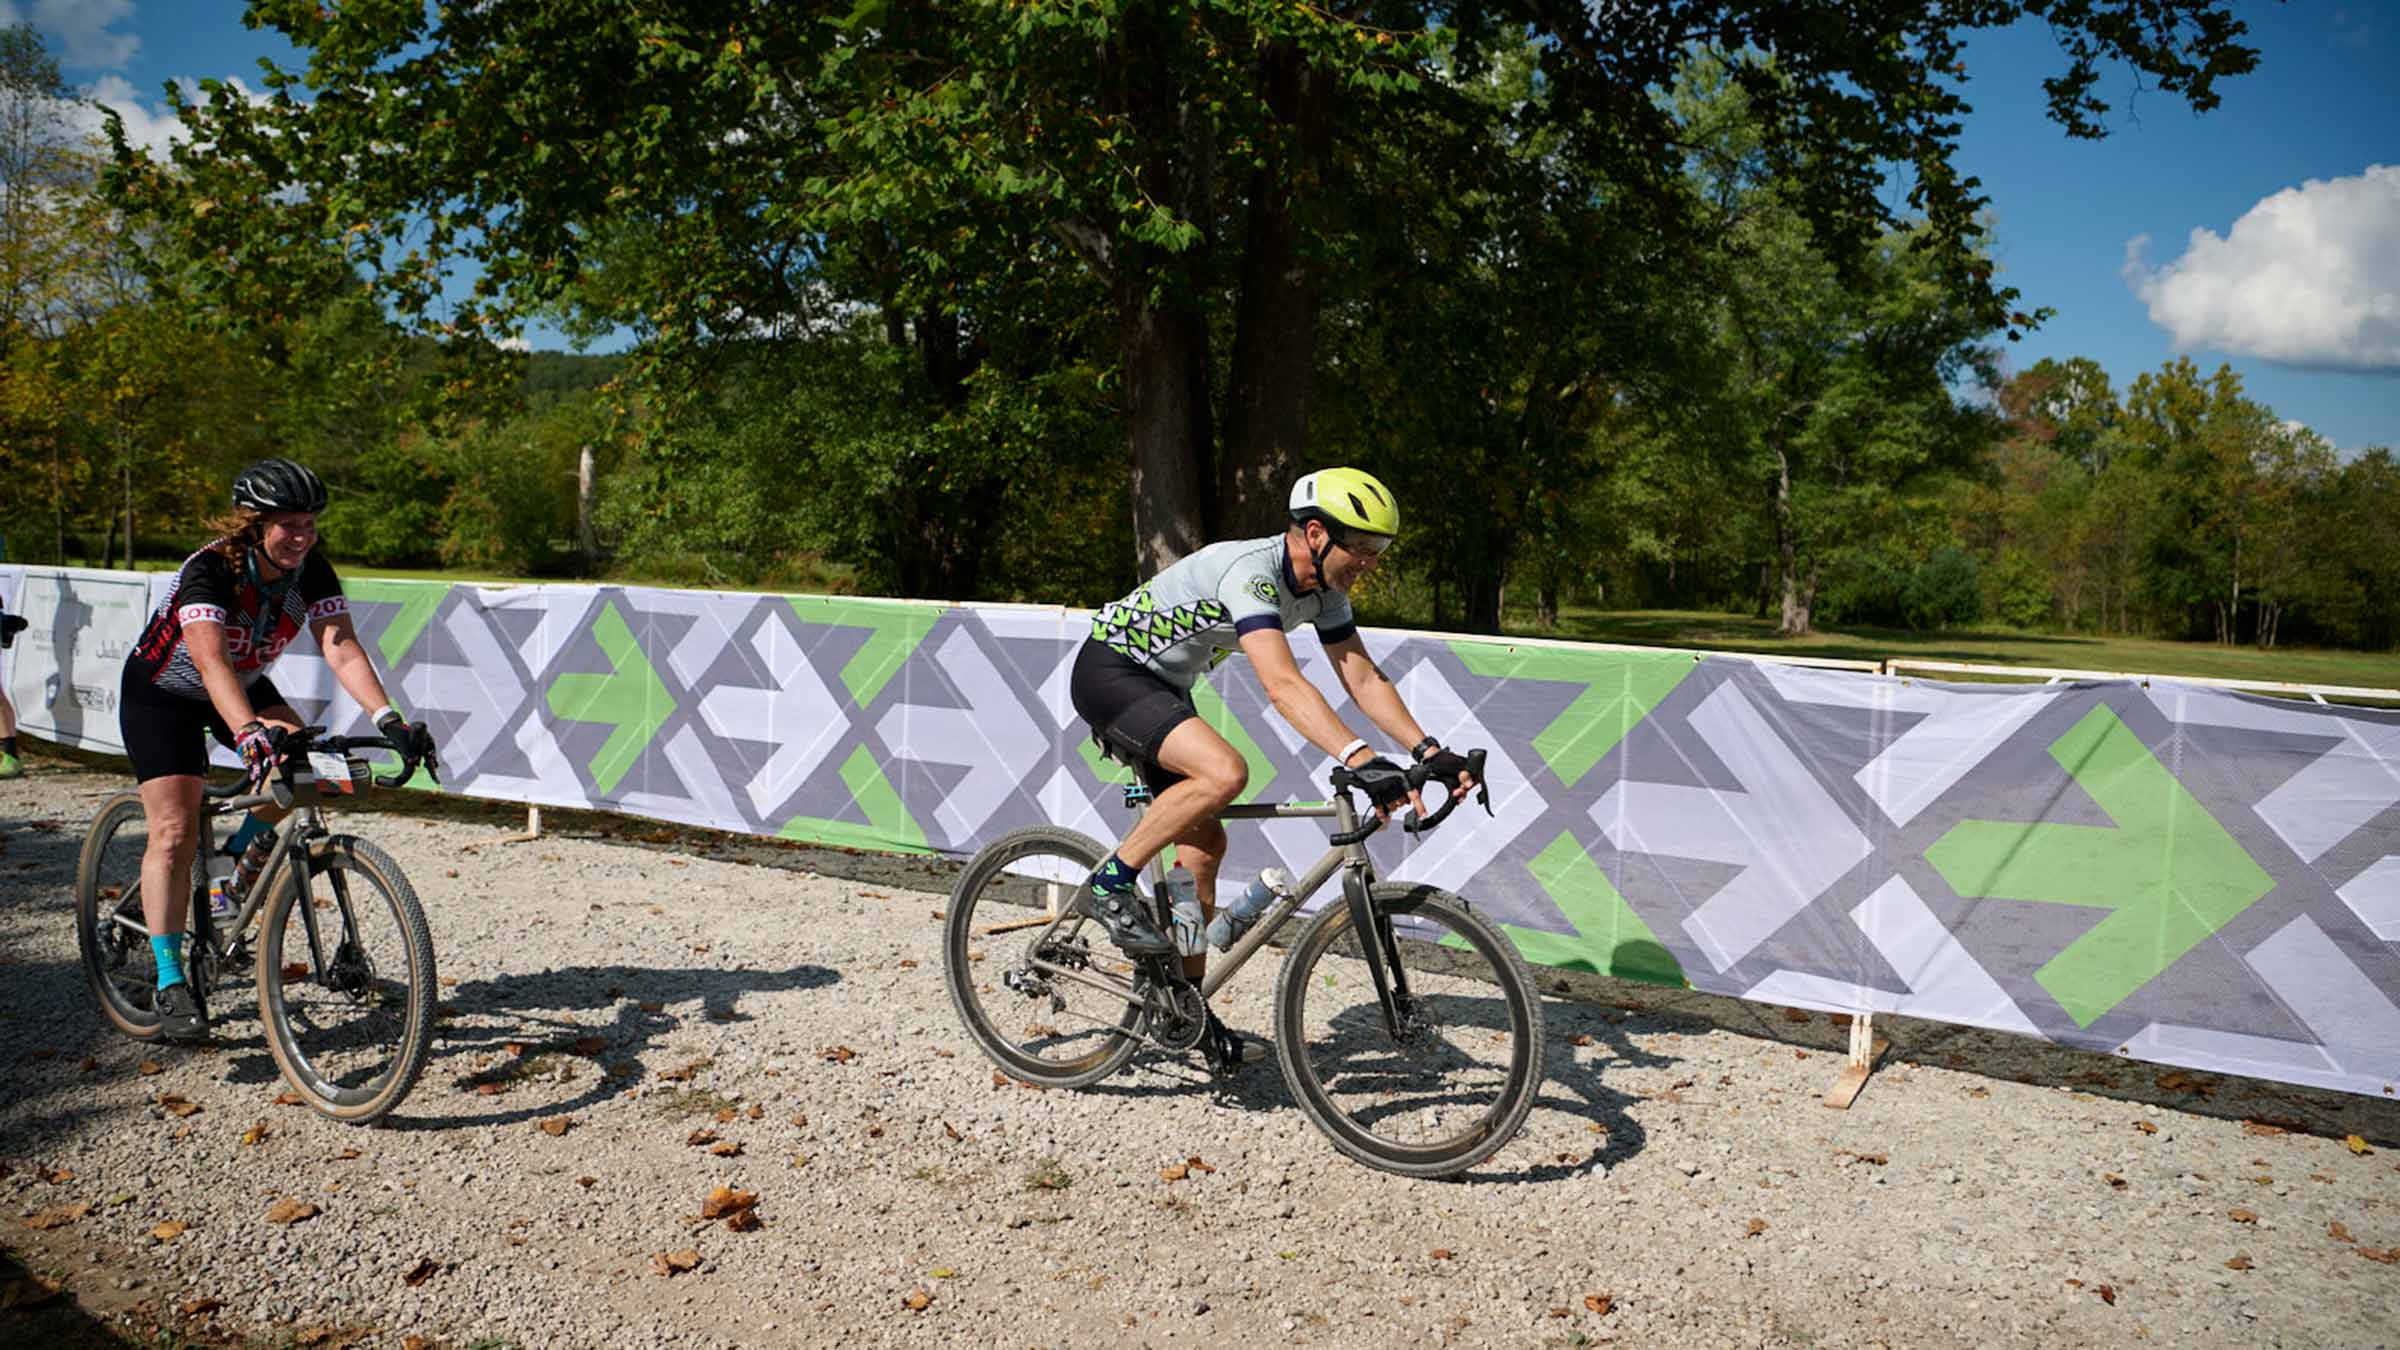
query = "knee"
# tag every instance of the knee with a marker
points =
(1223, 780)
(171, 838)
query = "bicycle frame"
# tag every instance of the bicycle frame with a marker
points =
(1382, 952)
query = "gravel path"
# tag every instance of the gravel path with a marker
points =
(1679, 1183)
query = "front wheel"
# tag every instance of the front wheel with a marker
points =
(1454, 1080)
(1039, 987)
(109, 928)
(346, 986)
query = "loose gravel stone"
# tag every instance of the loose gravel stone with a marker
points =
(1678, 1184)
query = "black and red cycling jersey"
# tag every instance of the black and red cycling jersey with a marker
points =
(208, 589)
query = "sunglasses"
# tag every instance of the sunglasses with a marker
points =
(1365, 545)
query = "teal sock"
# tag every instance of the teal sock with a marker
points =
(1114, 875)
(251, 828)
(167, 950)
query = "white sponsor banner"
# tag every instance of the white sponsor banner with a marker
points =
(64, 671)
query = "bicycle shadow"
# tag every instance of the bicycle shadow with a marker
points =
(514, 1036)
(1354, 1054)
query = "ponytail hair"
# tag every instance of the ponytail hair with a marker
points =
(238, 531)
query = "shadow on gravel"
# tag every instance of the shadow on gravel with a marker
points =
(1989, 1054)
(34, 1311)
(523, 1010)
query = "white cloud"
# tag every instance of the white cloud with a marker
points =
(148, 124)
(2308, 277)
(79, 29)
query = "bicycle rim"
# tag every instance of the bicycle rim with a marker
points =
(109, 928)
(1036, 995)
(350, 1017)
(1457, 1081)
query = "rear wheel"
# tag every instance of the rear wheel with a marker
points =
(346, 985)
(109, 928)
(1456, 1081)
(1049, 999)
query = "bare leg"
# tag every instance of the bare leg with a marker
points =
(172, 804)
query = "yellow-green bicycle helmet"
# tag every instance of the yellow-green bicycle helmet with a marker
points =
(1347, 500)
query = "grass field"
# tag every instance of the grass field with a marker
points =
(2146, 656)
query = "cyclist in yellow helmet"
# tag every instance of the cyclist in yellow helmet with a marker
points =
(1133, 681)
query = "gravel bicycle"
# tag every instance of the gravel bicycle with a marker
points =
(1406, 1025)
(341, 953)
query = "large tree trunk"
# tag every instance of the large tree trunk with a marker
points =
(1797, 600)
(1275, 318)
(1167, 424)
(1162, 331)
(1486, 593)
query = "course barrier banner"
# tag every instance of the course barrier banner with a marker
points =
(62, 674)
(2163, 871)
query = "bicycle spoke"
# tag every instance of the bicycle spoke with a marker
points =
(1450, 1081)
(1044, 994)
(345, 982)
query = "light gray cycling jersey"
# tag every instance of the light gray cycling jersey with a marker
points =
(1187, 617)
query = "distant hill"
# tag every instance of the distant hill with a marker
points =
(569, 372)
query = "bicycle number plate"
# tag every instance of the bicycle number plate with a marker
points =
(331, 773)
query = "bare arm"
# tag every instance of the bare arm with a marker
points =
(1300, 702)
(205, 640)
(1373, 694)
(338, 640)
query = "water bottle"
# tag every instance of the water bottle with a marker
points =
(1185, 922)
(253, 862)
(221, 887)
(1235, 919)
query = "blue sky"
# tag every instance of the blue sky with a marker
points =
(2265, 234)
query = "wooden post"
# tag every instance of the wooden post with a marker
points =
(1865, 1048)
(586, 538)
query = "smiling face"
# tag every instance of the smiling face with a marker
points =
(285, 538)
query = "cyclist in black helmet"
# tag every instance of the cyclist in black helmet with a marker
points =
(201, 669)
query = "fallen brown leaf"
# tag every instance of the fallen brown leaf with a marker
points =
(742, 1221)
(2338, 1232)
(201, 1307)
(554, 1126)
(756, 1112)
(150, 1068)
(1599, 1303)
(175, 1105)
(908, 963)
(2357, 1145)
(840, 1054)
(1175, 1173)
(288, 1210)
(728, 1149)
(2107, 1293)
(916, 1300)
(2240, 1261)
(168, 1231)
(59, 1216)
(726, 1200)
(675, 1263)
(1440, 1253)
(2260, 1127)
(2145, 1127)
(587, 1182)
(1579, 1039)
(58, 1176)
(951, 1131)
(2115, 1182)
(725, 1114)
(2241, 1215)
(255, 1135)
(2381, 1255)
(425, 1269)
(700, 1138)
(289, 1098)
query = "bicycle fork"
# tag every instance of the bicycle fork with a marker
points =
(1381, 950)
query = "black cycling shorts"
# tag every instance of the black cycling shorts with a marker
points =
(165, 734)
(1130, 709)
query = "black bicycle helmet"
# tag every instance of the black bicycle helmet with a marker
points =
(278, 485)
